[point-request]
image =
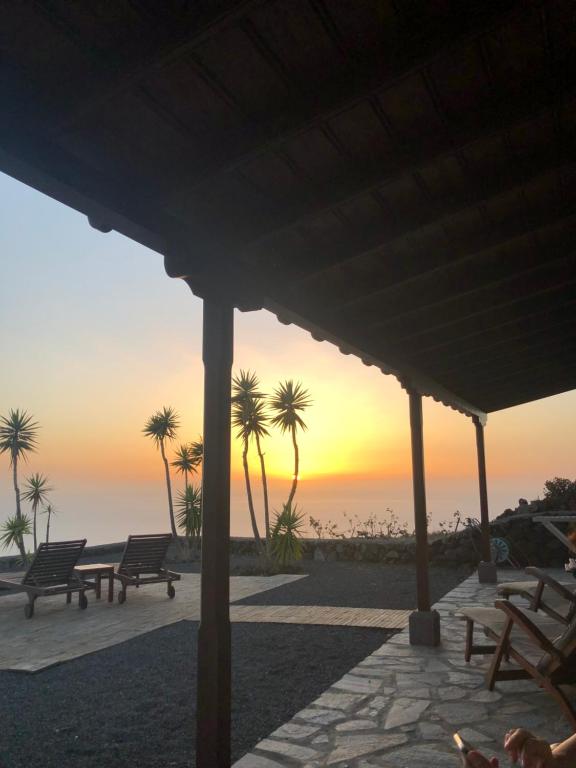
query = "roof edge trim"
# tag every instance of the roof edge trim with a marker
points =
(408, 377)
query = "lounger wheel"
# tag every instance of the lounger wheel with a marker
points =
(82, 601)
(28, 610)
(122, 596)
(171, 591)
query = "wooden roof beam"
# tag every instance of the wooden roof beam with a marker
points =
(439, 263)
(511, 393)
(533, 358)
(47, 168)
(371, 178)
(533, 373)
(483, 300)
(476, 357)
(185, 37)
(534, 346)
(348, 95)
(500, 331)
(513, 396)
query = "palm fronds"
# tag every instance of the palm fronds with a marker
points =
(287, 400)
(13, 530)
(162, 425)
(286, 534)
(189, 515)
(197, 451)
(18, 434)
(184, 461)
(36, 492)
(36, 489)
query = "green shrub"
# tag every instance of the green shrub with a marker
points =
(286, 535)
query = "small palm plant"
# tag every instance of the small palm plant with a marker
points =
(286, 535)
(189, 505)
(49, 511)
(161, 427)
(36, 492)
(287, 401)
(12, 532)
(18, 437)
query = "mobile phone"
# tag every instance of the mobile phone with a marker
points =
(461, 745)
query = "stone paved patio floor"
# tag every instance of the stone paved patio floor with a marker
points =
(59, 632)
(400, 706)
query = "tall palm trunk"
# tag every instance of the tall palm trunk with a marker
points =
(20, 542)
(48, 527)
(16, 488)
(296, 468)
(169, 489)
(264, 491)
(35, 513)
(249, 495)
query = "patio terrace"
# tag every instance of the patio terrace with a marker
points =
(400, 706)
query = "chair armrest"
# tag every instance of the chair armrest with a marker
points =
(534, 633)
(546, 579)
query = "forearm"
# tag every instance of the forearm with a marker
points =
(565, 753)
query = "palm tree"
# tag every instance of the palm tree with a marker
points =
(189, 506)
(242, 412)
(197, 451)
(286, 403)
(13, 530)
(18, 435)
(184, 462)
(36, 492)
(162, 426)
(48, 510)
(245, 387)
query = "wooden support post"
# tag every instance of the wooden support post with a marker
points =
(214, 653)
(486, 568)
(424, 623)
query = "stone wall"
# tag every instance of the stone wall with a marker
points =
(530, 543)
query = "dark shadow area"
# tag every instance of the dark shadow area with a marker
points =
(133, 705)
(358, 585)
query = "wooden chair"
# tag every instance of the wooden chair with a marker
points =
(51, 572)
(544, 594)
(143, 563)
(547, 653)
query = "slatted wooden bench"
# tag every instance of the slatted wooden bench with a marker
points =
(143, 563)
(51, 572)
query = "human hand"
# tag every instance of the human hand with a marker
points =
(534, 752)
(477, 760)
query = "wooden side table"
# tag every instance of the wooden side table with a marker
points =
(99, 571)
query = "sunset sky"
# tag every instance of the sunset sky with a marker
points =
(95, 337)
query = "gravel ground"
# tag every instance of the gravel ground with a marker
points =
(133, 705)
(350, 584)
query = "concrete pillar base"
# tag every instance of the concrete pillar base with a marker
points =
(487, 573)
(424, 628)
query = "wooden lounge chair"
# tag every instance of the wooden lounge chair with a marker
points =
(542, 648)
(143, 563)
(545, 594)
(51, 572)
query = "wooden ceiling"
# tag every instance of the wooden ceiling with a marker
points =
(397, 176)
